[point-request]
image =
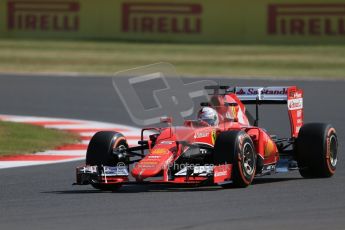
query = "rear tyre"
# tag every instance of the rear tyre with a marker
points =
(101, 152)
(316, 150)
(236, 148)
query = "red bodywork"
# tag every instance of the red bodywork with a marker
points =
(167, 146)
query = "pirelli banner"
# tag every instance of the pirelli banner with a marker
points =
(226, 21)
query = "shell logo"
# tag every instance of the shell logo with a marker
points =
(159, 151)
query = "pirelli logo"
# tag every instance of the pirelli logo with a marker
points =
(306, 19)
(176, 18)
(43, 15)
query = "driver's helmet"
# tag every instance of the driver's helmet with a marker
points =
(209, 115)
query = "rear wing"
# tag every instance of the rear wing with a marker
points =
(262, 95)
(292, 96)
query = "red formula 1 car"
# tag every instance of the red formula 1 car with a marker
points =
(229, 153)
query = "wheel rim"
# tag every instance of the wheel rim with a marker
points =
(248, 160)
(120, 148)
(120, 151)
(333, 150)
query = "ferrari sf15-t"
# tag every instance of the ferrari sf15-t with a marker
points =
(232, 153)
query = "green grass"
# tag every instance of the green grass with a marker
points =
(189, 59)
(16, 138)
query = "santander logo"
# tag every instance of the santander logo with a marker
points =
(265, 91)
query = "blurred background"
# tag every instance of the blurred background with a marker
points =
(270, 38)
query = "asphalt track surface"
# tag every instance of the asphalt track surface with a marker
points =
(42, 197)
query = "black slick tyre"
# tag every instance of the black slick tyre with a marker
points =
(316, 150)
(100, 152)
(236, 148)
(101, 148)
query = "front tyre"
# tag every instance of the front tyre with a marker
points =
(106, 149)
(236, 148)
(103, 146)
(317, 150)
